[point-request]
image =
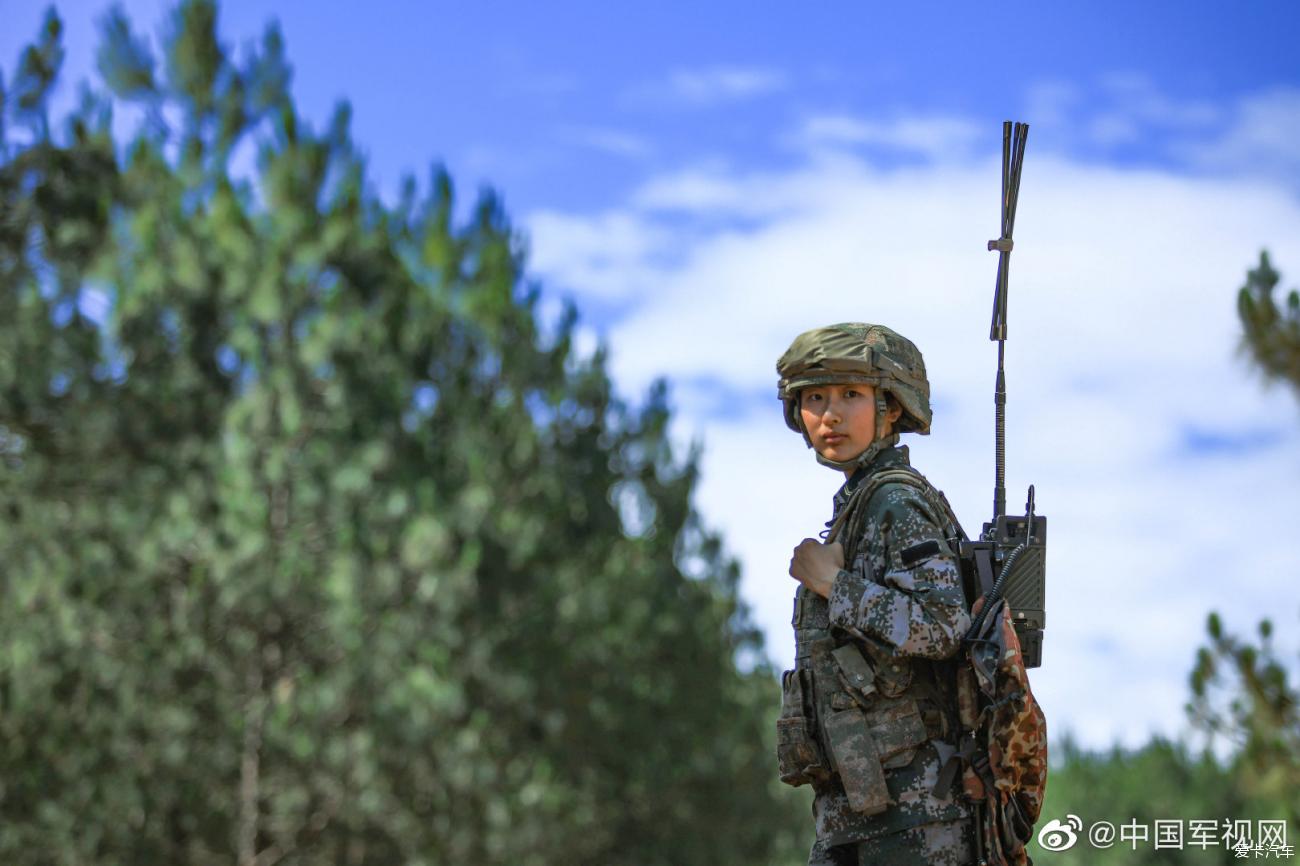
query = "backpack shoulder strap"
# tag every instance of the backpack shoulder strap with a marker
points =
(857, 505)
(848, 525)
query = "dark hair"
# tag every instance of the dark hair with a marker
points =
(891, 403)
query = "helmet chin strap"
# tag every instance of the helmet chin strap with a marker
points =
(881, 442)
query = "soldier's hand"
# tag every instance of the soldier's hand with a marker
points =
(815, 564)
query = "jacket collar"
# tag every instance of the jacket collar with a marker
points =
(886, 459)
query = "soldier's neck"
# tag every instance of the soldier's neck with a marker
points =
(848, 473)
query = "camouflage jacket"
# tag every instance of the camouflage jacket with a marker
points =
(900, 604)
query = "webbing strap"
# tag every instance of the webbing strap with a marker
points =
(855, 510)
(984, 568)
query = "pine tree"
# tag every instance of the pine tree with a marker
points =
(1243, 691)
(318, 547)
(1271, 333)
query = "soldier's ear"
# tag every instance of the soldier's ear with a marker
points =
(893, 410)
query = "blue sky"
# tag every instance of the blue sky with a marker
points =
(707, 180)
(571, 104)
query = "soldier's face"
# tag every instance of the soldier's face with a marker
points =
(840, 419)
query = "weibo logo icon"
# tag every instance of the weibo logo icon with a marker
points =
(1056, 836)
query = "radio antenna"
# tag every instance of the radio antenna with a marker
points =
(1013, 156)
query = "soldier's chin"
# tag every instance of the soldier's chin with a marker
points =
(840, 454)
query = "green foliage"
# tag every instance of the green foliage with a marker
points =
(37, 70)
(125, 61)
(1160, 781)
(318, 547)
(1271, 335)
(1242, 692)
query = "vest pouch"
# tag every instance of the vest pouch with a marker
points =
(858, 761)
(898, 729)
(799, 760)
(855, 673)
(893, 673)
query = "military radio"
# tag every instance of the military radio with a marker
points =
(1009, 559)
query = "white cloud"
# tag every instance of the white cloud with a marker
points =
(712, 85)
(1052, 104)
(1250, 137)
(1109, 130)
(612, 141)
(1129, 108)
(610, 257)
(703, 189)
(712, 192)
(1120, 358)
(1138, 97)
(1261, 141)
(932, 137)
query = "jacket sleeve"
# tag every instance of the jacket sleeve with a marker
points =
(916, 606)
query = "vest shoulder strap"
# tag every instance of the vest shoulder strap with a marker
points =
(856, 507)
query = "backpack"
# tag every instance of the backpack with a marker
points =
(1002, 747)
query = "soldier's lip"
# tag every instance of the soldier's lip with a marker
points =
(832, 438)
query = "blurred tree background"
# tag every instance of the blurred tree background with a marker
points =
(1242, 693)
(1244, 690)
(318, 544)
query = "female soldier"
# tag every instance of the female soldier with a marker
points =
(869, 711)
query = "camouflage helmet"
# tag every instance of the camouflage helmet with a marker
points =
(856, 352)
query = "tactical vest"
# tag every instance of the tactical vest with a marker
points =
(854, 717)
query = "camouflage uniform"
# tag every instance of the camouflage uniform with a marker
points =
(873, 682)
